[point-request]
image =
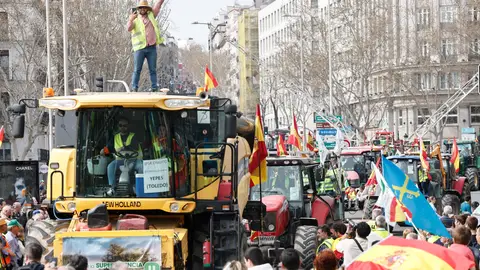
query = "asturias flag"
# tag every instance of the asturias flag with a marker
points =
(281, 149)
(210, 81)
(455, 159)
(2, 135)
(408, 194)
(258, 161)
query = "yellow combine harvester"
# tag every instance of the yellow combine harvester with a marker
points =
(154, 180)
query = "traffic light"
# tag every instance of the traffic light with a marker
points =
(100, 84)
(265, 130)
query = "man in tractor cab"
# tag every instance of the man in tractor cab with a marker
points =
(423, 181)
(124, 140)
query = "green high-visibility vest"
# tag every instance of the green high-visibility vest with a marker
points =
(327, 243)
(139, 38)
(118, 144)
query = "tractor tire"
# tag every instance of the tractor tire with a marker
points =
(305, 241)
(472, 177)
(452, 200)
(43, 233)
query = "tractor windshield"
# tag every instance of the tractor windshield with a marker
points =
(353, 162)
(142, 152)
(465, 149)
(281, 180)
(409, 167)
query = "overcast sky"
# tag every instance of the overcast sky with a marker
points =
(184, 12)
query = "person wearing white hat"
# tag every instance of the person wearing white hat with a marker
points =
(145, 37)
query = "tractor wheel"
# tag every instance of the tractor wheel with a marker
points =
(452, 200)
(472, 177)
(305, 240)
(43, 233)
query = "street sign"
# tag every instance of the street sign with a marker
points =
(468, 130)
(323, 125)
(319, 119)
(327, 132)
(44, 168)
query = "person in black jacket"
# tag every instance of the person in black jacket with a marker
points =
(33, 255)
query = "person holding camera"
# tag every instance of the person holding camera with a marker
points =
(143, 26)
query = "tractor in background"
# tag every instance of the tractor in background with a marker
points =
(445, 186)
(469, 161)
(356, 162)
(294, 209)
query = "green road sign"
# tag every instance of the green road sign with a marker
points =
(319, 119)
(151, 266)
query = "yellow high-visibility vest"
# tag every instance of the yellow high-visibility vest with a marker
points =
(139, 38)
(118, 144)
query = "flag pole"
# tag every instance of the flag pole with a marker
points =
(260, 184)
(411, 221)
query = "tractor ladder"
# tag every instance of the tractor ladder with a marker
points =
(446, 107)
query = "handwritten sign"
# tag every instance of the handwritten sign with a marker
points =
(156, 176)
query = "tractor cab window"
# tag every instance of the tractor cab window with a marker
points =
(465, 149)
(409, 167)
(353, 162)
(281, 180)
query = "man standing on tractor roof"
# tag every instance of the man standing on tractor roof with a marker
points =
(145, 38)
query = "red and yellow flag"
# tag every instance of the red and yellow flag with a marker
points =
(258, 160)
(281, 149)
(455, 159)
(310, 142)
(424, 157)
(398, 253)
(210, 81)
(372, 180)
(2, 135)
(294, 138)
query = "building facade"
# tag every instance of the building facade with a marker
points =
(425, 52)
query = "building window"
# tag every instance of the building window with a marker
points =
(452, 117)
(475, 14)
(422, 115)
(424, 81)
(400, 117)
(3, 26)
(475, 114)
(425, 49)
(5, 63)
(448, 47)
(448, 14)
(475, 46)
(423, 16)
(449, 80)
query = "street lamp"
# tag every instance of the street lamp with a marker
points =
(211, 35)
(301, 70)
(330, 82)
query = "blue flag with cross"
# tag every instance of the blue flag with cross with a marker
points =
(407, 193)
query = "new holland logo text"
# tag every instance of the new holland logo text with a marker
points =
(123, 204)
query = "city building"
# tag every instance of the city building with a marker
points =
(248, 55)
(424, 52)
(278, 27)
(167, 70)
(262, 3)
(22, 74)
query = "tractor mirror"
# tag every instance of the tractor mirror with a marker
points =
(253, 212)
(18, 126)
(230, 121)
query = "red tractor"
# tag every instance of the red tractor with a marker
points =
(356, 162)
(292, 209)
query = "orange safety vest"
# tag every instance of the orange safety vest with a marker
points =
(6, 259)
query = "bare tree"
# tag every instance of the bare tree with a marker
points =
(26, 76)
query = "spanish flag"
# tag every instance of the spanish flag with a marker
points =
(310, 142)
(258, 160)
(372, 180)
(398, 253)
(424, 157)
(281, 149)
(294, 138)
(2, 135)
(455, 159)
(210, 81)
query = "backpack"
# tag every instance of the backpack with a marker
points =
(476, 255)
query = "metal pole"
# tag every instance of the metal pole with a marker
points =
(65, 48)
(49, 75)
(330, 82)
(303, 81)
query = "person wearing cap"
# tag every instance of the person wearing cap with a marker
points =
(145, 37)
(6, 252)
(12, 239)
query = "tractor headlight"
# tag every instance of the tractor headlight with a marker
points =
(174, 207)
(180, 103)
(271, 227)
(71, 206)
